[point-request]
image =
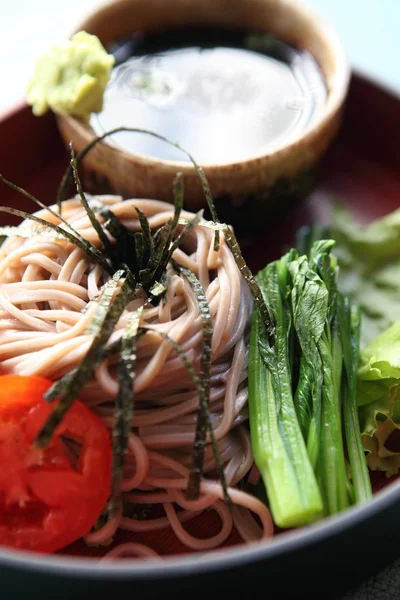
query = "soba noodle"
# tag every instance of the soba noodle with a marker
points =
(46, 286)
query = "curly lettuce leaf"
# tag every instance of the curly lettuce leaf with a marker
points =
(379, 399)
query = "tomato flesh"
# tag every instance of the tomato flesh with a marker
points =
(46, 501)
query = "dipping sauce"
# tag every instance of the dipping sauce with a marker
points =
(223, 95)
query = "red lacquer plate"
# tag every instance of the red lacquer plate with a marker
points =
(361, 169)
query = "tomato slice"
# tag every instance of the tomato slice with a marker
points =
(49, 497)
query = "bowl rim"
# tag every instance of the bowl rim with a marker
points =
(338, 87)
(177, 566)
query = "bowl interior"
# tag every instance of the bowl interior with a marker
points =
(363, 174)
(289, 20)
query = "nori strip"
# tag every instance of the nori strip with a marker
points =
(58, 386)
(124, 405)
(203, 414)
(52, 212)
(95, 223)
(90, 250)
(86, 369)
(200, 391)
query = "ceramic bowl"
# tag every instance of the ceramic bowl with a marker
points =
(250, 189)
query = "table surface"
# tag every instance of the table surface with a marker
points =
(368, 29)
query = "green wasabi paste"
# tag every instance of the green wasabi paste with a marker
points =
(71, 78)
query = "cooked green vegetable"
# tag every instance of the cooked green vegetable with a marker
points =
(302, 390)
(349, 328)
(278, 445)
(310, 309)
(369, 258)
(314, 300)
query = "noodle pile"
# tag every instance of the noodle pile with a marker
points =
(46, 285)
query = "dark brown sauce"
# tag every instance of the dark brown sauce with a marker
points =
(223, 95)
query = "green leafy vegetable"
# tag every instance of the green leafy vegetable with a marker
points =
(278, 445)
(332, 466)
(302, 390)
(369, 258)
(310, 312)
(349, 328)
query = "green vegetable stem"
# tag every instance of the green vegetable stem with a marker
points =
(302, 390)
(350, 329)
(278, 445)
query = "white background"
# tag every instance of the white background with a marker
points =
(369, 30)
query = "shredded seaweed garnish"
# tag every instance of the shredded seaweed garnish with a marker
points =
(156, 251)
(30, 196)
(199, 388)
(131, 510)
(28, 232)
(57, 388)
(104, 304)
(203, 414)
(148, 245)
(124, 403)
(145, 253)
(178, 192)
(125, 249)
(85, 371)
(66, 180)
(248, 276)
(191, 225)
(113, 225)
(95, 223)
(167, 231)
(90, 250)
(229, 235)
(234, 247)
